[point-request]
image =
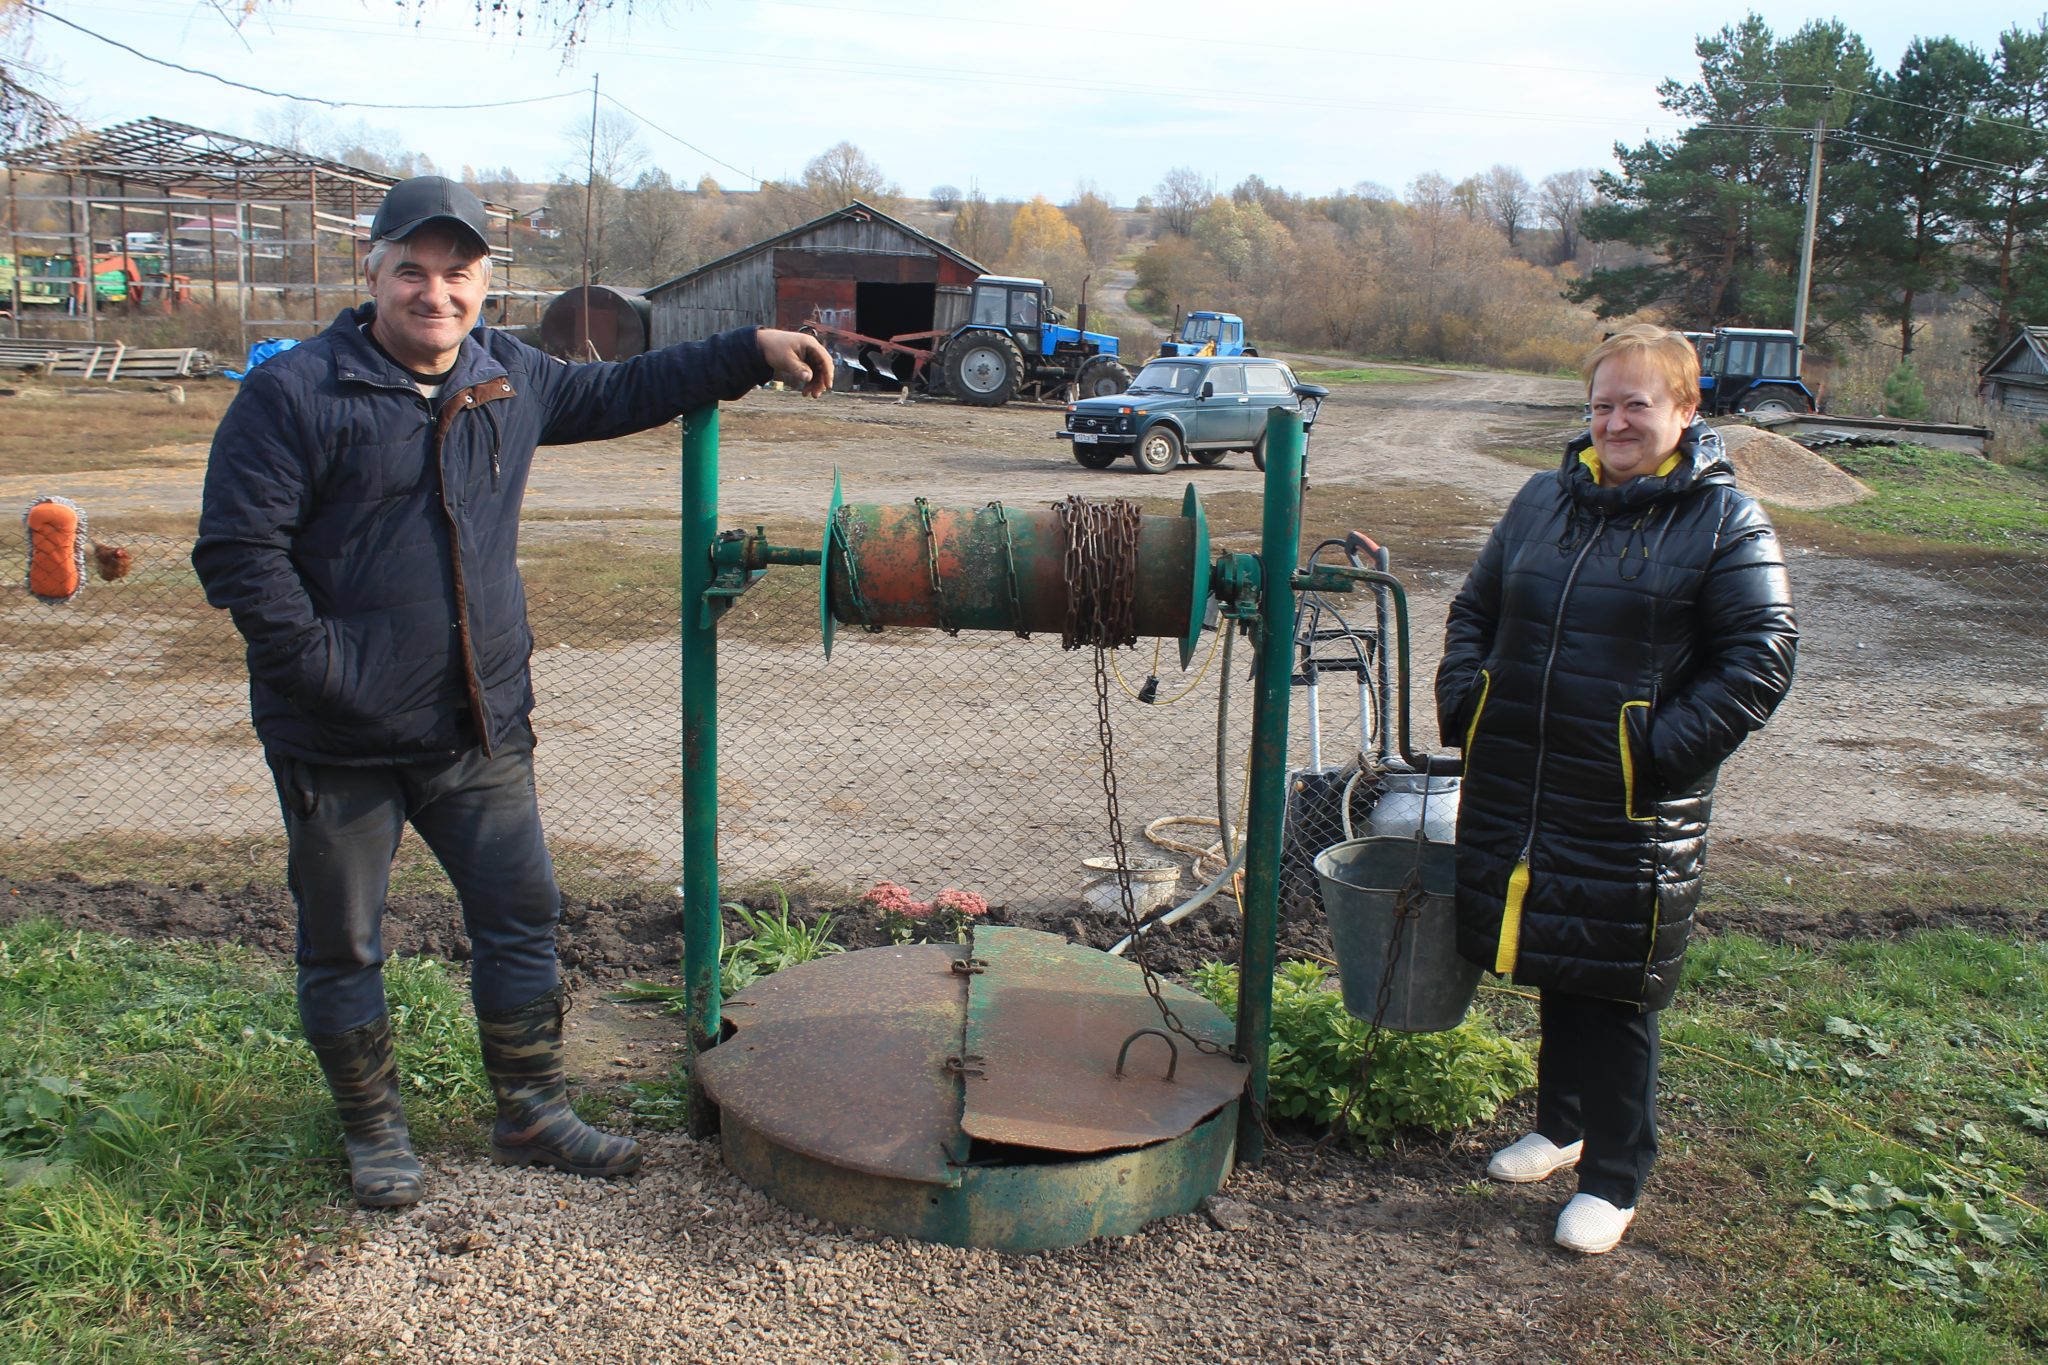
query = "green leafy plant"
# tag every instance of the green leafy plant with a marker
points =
(1927, 1233)
(1439, 1082)
(774, 940)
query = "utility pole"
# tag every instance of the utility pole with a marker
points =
(590, 193)
(1820, 133)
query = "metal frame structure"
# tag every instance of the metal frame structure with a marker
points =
(286, 209)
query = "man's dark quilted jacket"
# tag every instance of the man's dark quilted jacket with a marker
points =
(366, 540)
(1609, 649)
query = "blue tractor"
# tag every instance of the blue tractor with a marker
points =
(1013, 341)
(1209, 334)
(1750, 369)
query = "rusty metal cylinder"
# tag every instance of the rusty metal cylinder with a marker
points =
(990, 568)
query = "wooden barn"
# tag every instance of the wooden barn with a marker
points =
(857, 268)
(2017, 377)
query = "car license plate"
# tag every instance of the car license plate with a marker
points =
(1084, 438)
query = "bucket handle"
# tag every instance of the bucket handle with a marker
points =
(1173, 1048)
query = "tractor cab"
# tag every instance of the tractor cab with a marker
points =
(1750, 369)
(1209, 334)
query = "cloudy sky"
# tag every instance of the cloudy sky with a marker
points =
(1312, 96)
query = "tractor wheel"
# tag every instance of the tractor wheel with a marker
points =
(1251, 350)
(1095, 457)
(1211, 457)
(1774, 398)
(983, 368)
(1158, 450)
(1103, 377)
(1259, 453)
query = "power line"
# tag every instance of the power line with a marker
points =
(794, 191)
(675, 137)
(280, 94)
(1889, 99)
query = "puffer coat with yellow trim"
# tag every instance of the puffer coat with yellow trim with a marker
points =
(1609, 649)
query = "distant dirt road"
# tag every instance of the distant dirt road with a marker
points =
(778, 453)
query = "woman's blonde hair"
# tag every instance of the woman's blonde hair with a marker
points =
(1667, 351)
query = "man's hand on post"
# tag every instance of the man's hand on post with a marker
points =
(799, 360)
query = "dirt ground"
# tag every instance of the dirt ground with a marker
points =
(1408, 1257)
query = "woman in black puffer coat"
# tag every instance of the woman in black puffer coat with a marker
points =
(1627, 625)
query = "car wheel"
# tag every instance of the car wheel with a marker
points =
(1158, 450)
(1094, 457)
(1259, 453)
(1211, 457)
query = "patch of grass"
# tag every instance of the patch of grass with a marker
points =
(1858, 1137)
(1897, 868)
(165, 1140)
(584, 871)
(1366, 375)
(57, 432)
(589, 592)
(1534, 457)
(101, 858)
(1938, 497)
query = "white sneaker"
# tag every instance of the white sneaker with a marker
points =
(1532, 1158)
(1591, 1225)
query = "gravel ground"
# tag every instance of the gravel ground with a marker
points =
(1351, 1264)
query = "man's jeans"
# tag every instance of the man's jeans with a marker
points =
(480, 818)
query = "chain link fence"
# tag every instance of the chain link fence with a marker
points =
(1919, 722)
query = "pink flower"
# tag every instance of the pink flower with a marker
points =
(965, 904)
(889, 898)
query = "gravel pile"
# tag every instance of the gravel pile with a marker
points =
(1779, 470)
(685, 1263)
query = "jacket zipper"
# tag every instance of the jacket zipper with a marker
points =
(1509, 947)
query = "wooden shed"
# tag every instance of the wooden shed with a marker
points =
(857, 268)
(2017, 377)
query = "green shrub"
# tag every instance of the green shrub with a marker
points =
(1439, 1082)
(1904, 395)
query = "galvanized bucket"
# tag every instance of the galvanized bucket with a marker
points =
(1431, 986)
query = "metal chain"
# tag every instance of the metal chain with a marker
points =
(1010, 572)
(931, 561)
(847, 526)
(1102, 549)
(1405, 909)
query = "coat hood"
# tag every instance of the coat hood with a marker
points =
(1702, 463)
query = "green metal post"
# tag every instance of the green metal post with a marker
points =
(1272, 693)
(700, 745)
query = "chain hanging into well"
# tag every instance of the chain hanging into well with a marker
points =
(1101, 566)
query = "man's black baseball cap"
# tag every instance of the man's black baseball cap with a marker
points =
(411, 204)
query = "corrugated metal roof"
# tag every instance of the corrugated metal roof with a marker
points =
(856, 209)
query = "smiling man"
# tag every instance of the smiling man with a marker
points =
(361, 523)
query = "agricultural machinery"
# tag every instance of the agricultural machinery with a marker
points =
(999, 340)
(1209, 334)
(1750, 369)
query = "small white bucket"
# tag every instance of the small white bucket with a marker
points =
(1154, 883)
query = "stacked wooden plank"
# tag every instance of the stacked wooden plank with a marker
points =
(103, 360)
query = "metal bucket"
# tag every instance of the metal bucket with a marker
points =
(1431, 986)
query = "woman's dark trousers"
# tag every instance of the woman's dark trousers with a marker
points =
(1596, 1079)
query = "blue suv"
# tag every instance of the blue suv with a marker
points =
(1203, 406)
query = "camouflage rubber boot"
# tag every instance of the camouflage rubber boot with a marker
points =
(362, 1073)
(523, 1056)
